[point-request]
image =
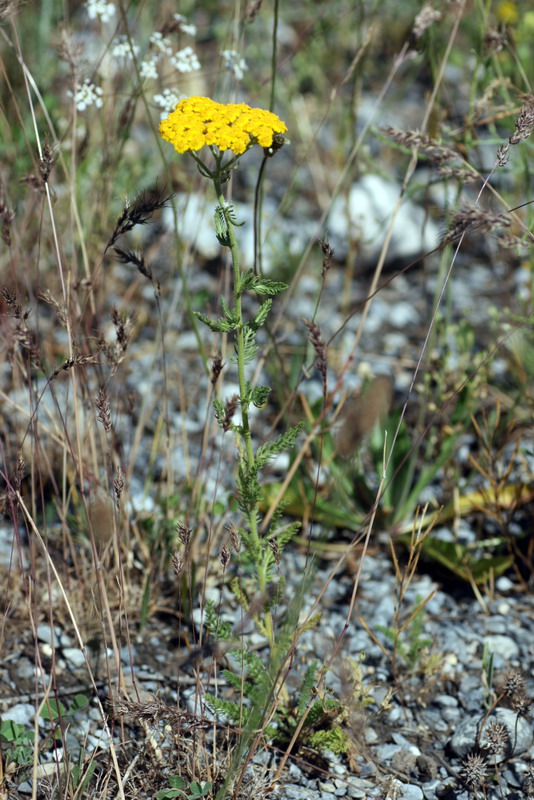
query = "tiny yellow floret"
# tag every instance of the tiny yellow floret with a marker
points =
(508, 12)
(199, 121)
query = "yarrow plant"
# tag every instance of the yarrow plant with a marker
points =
(199, 121)
(228, 131)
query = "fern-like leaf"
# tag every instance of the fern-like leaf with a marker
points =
(283, 442)
(234, 712)
(261, 315)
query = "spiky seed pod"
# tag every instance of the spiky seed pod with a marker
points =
(495, 738)
(513, 682)
(474, 770)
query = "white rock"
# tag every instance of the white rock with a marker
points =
(196, 226)
(75, 656)
(502, 646)
(45, 634)
(22, 713)
(367, 214)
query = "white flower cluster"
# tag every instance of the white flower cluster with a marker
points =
(186, 27)
(149, 67)
(167, 101)
(185, 60)
(161, 43)
(122, 48)
(234, 63)
(99, 9)
(87, 95)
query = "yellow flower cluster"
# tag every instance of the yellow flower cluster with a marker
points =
(199, 121)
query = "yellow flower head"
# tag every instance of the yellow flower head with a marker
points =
(508, 12)
(199, 121)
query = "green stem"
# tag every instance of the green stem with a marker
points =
(244, 399)
(273, 56)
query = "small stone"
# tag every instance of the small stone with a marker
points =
(327, 786)
(368, 769)
(293, 792)
(445, 700)
(429, 789)
(411, 792)
(354, 791)
(385, 752)
(370, 735)
(504, 584)
(45, 634)
(502, 646)
(295, 771)
(21, 713)
(75, 656)
(26, 670)
(338, 769)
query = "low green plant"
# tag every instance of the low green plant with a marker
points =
(180, 788)
(18, 741)
(323, 712)
(81, 775)
(384, 454)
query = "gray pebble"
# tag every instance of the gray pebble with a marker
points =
(385, 752)
(22, 713)
(26, 669)
(367, 769)
(328, 787)
(445, 700)
(370, 735)
(75, 656)
(353, 791)
(502, 646)
(45, 634)
(411, 792)
(429, 789)
(65, 640)
(293, 792)
(465, 736)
